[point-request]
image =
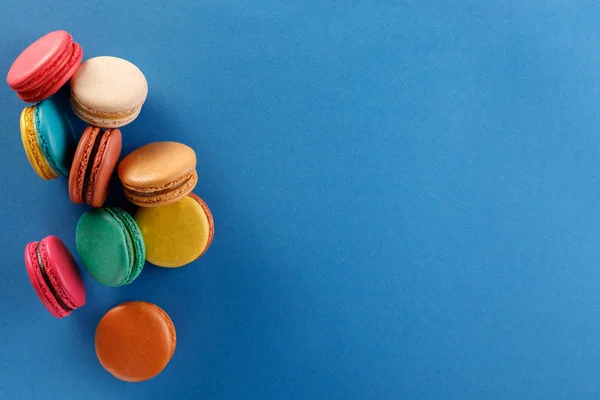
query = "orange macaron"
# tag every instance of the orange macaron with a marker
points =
(135, 341)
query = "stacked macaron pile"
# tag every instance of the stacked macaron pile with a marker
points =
(172, 227)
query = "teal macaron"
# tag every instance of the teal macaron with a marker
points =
(111, 246)
(48, 138)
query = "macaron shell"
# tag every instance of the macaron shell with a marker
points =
(45, 66)
(109, 85)
(211, 222)
(79, 165)
(38, 284)
(36, 57)
(135, 341)
(105, 163)
(167, 194)
(103, 166)
(103, 247)
(176, 234)
(63, 268)
(60, 79)
(157, 164)
(105, 120)
(138, 248)
(55, 135)
(32, 147)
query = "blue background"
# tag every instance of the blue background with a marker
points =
(406, 197)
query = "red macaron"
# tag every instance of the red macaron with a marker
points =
(45, 66)
(93, 165)
(54, 276)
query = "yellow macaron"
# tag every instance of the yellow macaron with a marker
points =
(178, 233)
(32, 146)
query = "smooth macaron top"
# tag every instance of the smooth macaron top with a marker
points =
(109, 85)
(54, 276)
(110, 245)
(45, 66)
(178, 233)
(135, 341)
(157, 164)
(41, 53)
(55, 135)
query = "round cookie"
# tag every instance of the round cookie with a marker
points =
(135, 341)
(54, 276)
(108, 92)
(96, 157)
(45, 66)
(110, 246)
(48, 138)
(178, 233)
(158, 173)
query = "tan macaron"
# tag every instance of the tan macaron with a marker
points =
(158, 174)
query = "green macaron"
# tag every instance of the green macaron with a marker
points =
(111, 246)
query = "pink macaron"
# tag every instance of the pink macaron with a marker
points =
(45, 66)
(54, 276)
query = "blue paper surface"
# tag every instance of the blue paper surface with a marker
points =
(405, 196)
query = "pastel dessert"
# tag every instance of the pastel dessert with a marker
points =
(158, 174)
(108, 92)
(54, 276)
(135, 341)
(110, 246)
(95, 160)
(48, 139)
(178, 233)
(44, 67)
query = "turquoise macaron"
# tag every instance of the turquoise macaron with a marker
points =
(111, 246)
(48, 138)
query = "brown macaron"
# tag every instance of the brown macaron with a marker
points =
(95, 160)
(158, 174)
(135, 341)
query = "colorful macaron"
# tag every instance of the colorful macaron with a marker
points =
(48, 139)
(178, 233)
(158, 174)
(108, 92)
(54, 276)
(110, 246)
(95, 160)
(44, 67)
(135, 341)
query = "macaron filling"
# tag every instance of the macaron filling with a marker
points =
(150, 192)
(90, 164)
(46, 279)
(80, 108)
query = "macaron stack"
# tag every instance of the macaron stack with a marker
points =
(172, 227)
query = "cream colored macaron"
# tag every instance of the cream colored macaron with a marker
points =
(158, 174)
(108, 91)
